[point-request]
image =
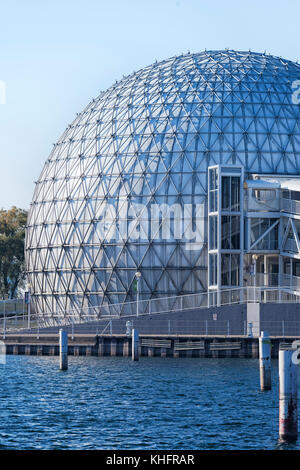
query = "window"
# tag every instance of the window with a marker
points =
(213, 232)
(230, 269)
(231, 193)
(258, 228)
(213, 270)
(230, 238)
(213, 190)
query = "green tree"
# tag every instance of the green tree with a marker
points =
(12, 236)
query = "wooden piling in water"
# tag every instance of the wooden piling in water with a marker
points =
(265, 361)
(135, 345)
(288, 396)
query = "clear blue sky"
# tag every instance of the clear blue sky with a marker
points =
(55, 55)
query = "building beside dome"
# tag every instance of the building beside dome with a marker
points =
(186, 172)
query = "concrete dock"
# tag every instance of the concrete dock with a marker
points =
(210, 332)
(150, 345)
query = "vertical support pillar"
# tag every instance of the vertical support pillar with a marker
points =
(28, 307)
(137, 283)
(288, 397)
(28, 325)
(126, 348)
(242, 235)
(265, 361)
(63, 349)
(254, 271)
(101, 347)
(135, 345)
(219, 240)
(137, 296)
(23, 316)
(113, 347)
(280, 276)
(163, 352)
(266, 283)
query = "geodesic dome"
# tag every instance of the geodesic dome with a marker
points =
(135, 160)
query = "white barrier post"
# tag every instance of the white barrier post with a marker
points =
(63, 349)
(265, 361)
(288, 396)
(135, 345)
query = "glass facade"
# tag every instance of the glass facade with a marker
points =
(259, 227)
(125, 187)
(225, 228)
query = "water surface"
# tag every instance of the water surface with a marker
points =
(114, 403)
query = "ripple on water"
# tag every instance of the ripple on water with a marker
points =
(113, 403)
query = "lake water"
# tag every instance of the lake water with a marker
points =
(114, 403)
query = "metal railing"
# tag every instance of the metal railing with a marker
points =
(290, 205)
(276, 203)
(175, 327)
(275, 280)
(13, 323)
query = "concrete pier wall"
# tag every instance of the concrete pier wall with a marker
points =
(150, 346)
(211, 332)
(214, 321)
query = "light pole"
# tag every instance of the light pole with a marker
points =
(28, 305)
(137, 277)
(254, 259)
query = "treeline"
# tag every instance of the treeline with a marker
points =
(12, 266)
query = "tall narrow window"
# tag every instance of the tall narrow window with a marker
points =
(235, 193)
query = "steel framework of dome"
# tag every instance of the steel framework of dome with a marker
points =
(125, 189)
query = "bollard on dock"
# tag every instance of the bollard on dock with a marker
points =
(129, 328)
(63, 349)
(265, 361)
(288, 396)
(135, 345)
